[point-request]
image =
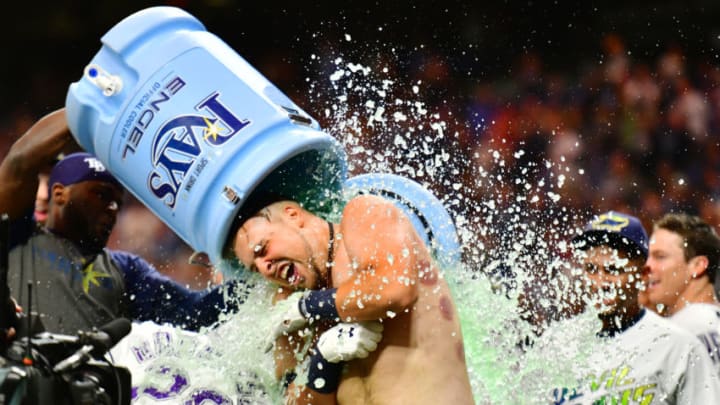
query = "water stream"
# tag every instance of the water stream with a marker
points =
(516, 274)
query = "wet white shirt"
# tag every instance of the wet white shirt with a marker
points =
(703, 321)
(174, 366)
(651, 362)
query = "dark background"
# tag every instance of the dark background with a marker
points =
(45, 45)
(536, 69)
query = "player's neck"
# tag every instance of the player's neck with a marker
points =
(699, 291)
(325, 246)
(615, 323)
(330, 261)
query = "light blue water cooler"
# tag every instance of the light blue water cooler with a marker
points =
(191, 129)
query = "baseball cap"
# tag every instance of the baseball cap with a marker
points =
(617, 230)
(78, 167)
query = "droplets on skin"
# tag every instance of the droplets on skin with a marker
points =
(511, 222)
(510, 219)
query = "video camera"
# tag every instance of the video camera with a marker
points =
(60, 369)
(45, 368)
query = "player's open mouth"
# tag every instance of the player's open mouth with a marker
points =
(653, 283)
(607, 294)
(289, 273)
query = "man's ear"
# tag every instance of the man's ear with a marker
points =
(698, 266)
(57, 194)
(293, 213)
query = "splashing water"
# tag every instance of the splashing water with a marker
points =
(221, 365)
(513, 226)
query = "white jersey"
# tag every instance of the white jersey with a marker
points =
(652, 362)
(160, 359)
(703, 321)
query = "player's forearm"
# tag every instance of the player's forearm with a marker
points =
(284, 356)
(36, 149)
(41, 143)
(301, 395)
(373, 301)
(368, 296)
(323, 377)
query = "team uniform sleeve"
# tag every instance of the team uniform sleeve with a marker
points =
(701, 384)
(152, 296)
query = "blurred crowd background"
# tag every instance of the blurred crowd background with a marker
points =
(628, 93)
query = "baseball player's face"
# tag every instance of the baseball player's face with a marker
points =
(278, 250)
(668, 271)
(614, 280)
(90, 211)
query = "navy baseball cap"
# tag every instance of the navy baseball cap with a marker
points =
(78, 167)
(617, 230)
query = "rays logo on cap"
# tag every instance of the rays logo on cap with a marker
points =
(78, 167)
(94, 164)
(610, 222)
(616, 230)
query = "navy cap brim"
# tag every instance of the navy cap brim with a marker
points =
(597, 237)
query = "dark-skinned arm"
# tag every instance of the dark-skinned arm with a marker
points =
(29, 155)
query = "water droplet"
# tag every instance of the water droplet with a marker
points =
(319, 382)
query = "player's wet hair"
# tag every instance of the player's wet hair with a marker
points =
(252, 207)
(699, 238)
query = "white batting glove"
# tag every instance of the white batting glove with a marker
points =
(291, 321)
(348, 341)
